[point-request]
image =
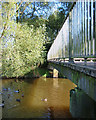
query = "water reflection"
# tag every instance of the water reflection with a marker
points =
(42, 98)
(81, 105)
(55, 82)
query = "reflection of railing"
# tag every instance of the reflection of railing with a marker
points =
(77, 37)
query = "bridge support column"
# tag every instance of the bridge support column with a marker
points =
(55, 73)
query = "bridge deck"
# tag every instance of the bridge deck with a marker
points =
(91, 65)
(88, 68)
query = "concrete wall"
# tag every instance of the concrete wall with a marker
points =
(55, 73)
(81, 105)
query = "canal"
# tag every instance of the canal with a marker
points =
(45, 98)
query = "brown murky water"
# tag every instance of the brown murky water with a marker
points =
(38, 98)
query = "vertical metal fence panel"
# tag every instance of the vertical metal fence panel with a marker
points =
(79, 24)
(85, 28)
(77, 37)
(72, 26)
(87, 49)
(77, 33)
(76, 23)
(62, 43)
(95, 28)
(59, 51)
(63, 38)
(80, 30)
(70, 35)
(83, 52)
(91, 27)
(75, 29)
(84, 31)
(73, 32)
(57, 48)
(66, 37)
(87, 42)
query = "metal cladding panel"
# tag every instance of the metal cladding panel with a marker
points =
(66, 37)
(95, 28)
(60, 46)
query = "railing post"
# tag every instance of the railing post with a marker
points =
(80, 28)
(89, 25)
(95, 31)
(92, 28)
(70, 38)
(62, 44)
(83, 37)
(85, 29)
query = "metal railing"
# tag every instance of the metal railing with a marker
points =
(77, 37)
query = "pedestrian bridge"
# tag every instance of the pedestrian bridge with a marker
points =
(73, 52)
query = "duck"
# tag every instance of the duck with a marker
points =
(45, 99)
(18, 100)
(78, 88)
(17, 91)
(2, 105)
(5, 89)
(16, 81)
(1, 93)
(8, 95)
(72, 91)
(11, 83)
(22, 95)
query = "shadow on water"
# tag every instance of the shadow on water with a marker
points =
(81, 105)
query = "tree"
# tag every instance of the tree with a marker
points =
(56, 20)
(27, 34)
(22, 45)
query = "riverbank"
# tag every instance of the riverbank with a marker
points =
(36, 73)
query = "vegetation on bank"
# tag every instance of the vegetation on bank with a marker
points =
(36, 73)
(26, 36)
(24, 53)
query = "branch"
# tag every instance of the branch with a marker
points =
(19, 6)
(33, 10)
(24, 9)
(5, 27)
